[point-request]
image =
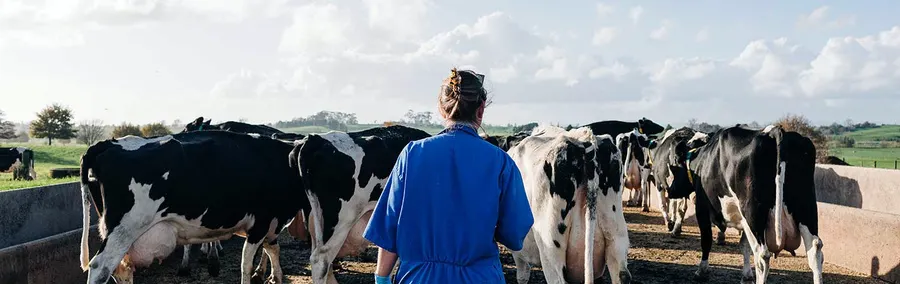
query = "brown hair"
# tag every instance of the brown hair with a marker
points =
(462, 93)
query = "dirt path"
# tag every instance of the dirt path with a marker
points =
(655, 257)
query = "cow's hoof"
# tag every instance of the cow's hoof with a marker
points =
(645, 209)
(257, 279)
(670, 226)
(624, 277)
(701, 275)
(792, 253)
(720, 242)
(184, 271)
(213, 267)
(748, 278)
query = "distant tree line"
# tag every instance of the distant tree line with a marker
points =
(329, 119)
(848, 126)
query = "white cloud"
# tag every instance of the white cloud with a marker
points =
(399, 18)
(604, 10)
(820, 17)
(702, 35)
(605, 35)
(865, 65)
(662, 31)
(635, 13)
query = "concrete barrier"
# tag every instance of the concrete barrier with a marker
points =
(862, 240)
(33, 213)
(857, 187)
(47, 260)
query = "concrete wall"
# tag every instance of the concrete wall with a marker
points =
(862, 240)
(48, 260)
(34, 213)
(857, 187)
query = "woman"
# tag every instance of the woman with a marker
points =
(449, 198)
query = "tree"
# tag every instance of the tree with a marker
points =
(7, 128)
(419, 118)
(90, 132)
(54, 121)
(802, 125)
(155, 129)
(126, 129)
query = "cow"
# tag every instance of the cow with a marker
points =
(19, 161)
(239, 127)
(616, 127)
(233, 126)
(343, 175)
(674, 209)
(635, 147)
(573, 181)
(758, 181)
(506, 142)
(188, 188)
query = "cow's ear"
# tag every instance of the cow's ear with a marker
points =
(198, 121)
(207, 122)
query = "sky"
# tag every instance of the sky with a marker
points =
(569, 62)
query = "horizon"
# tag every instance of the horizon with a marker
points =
(583, 62)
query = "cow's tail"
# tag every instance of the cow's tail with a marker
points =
(778, 133)
(87, 163)
(590, 221)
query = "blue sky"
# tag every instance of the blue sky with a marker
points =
(567, 62)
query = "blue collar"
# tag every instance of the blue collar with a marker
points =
(468, 129)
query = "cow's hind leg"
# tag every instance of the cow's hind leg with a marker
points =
(212, 264)
(185, 268)
(813, 252)
(263, 267)
(705, 224)
(747, 271)
(272, 249)
(523, 269)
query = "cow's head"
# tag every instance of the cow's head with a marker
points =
(198, 124)
(647, 126)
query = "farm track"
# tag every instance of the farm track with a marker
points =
(654, 257)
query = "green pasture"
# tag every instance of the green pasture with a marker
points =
(45, 158)
(883, 133)
(868, 157)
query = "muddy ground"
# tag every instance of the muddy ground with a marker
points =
(654, 257)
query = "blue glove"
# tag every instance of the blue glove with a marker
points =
(382, 279)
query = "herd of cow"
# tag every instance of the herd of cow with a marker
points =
(212, 181)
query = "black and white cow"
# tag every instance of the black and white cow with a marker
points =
(615, 127)
(506, 142)
(187, 188)
(19, 161)
(573, 180)
(343, 175)
(758, 181)
(674, 210)
(213, 249)
(635, 148)
(233, 126)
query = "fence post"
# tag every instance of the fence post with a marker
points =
(895, 164)
(876, 164)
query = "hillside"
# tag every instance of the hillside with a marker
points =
(46, 158)
(883, 133)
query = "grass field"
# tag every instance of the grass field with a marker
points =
(867, 157)
(46, 158)
(883, 133)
